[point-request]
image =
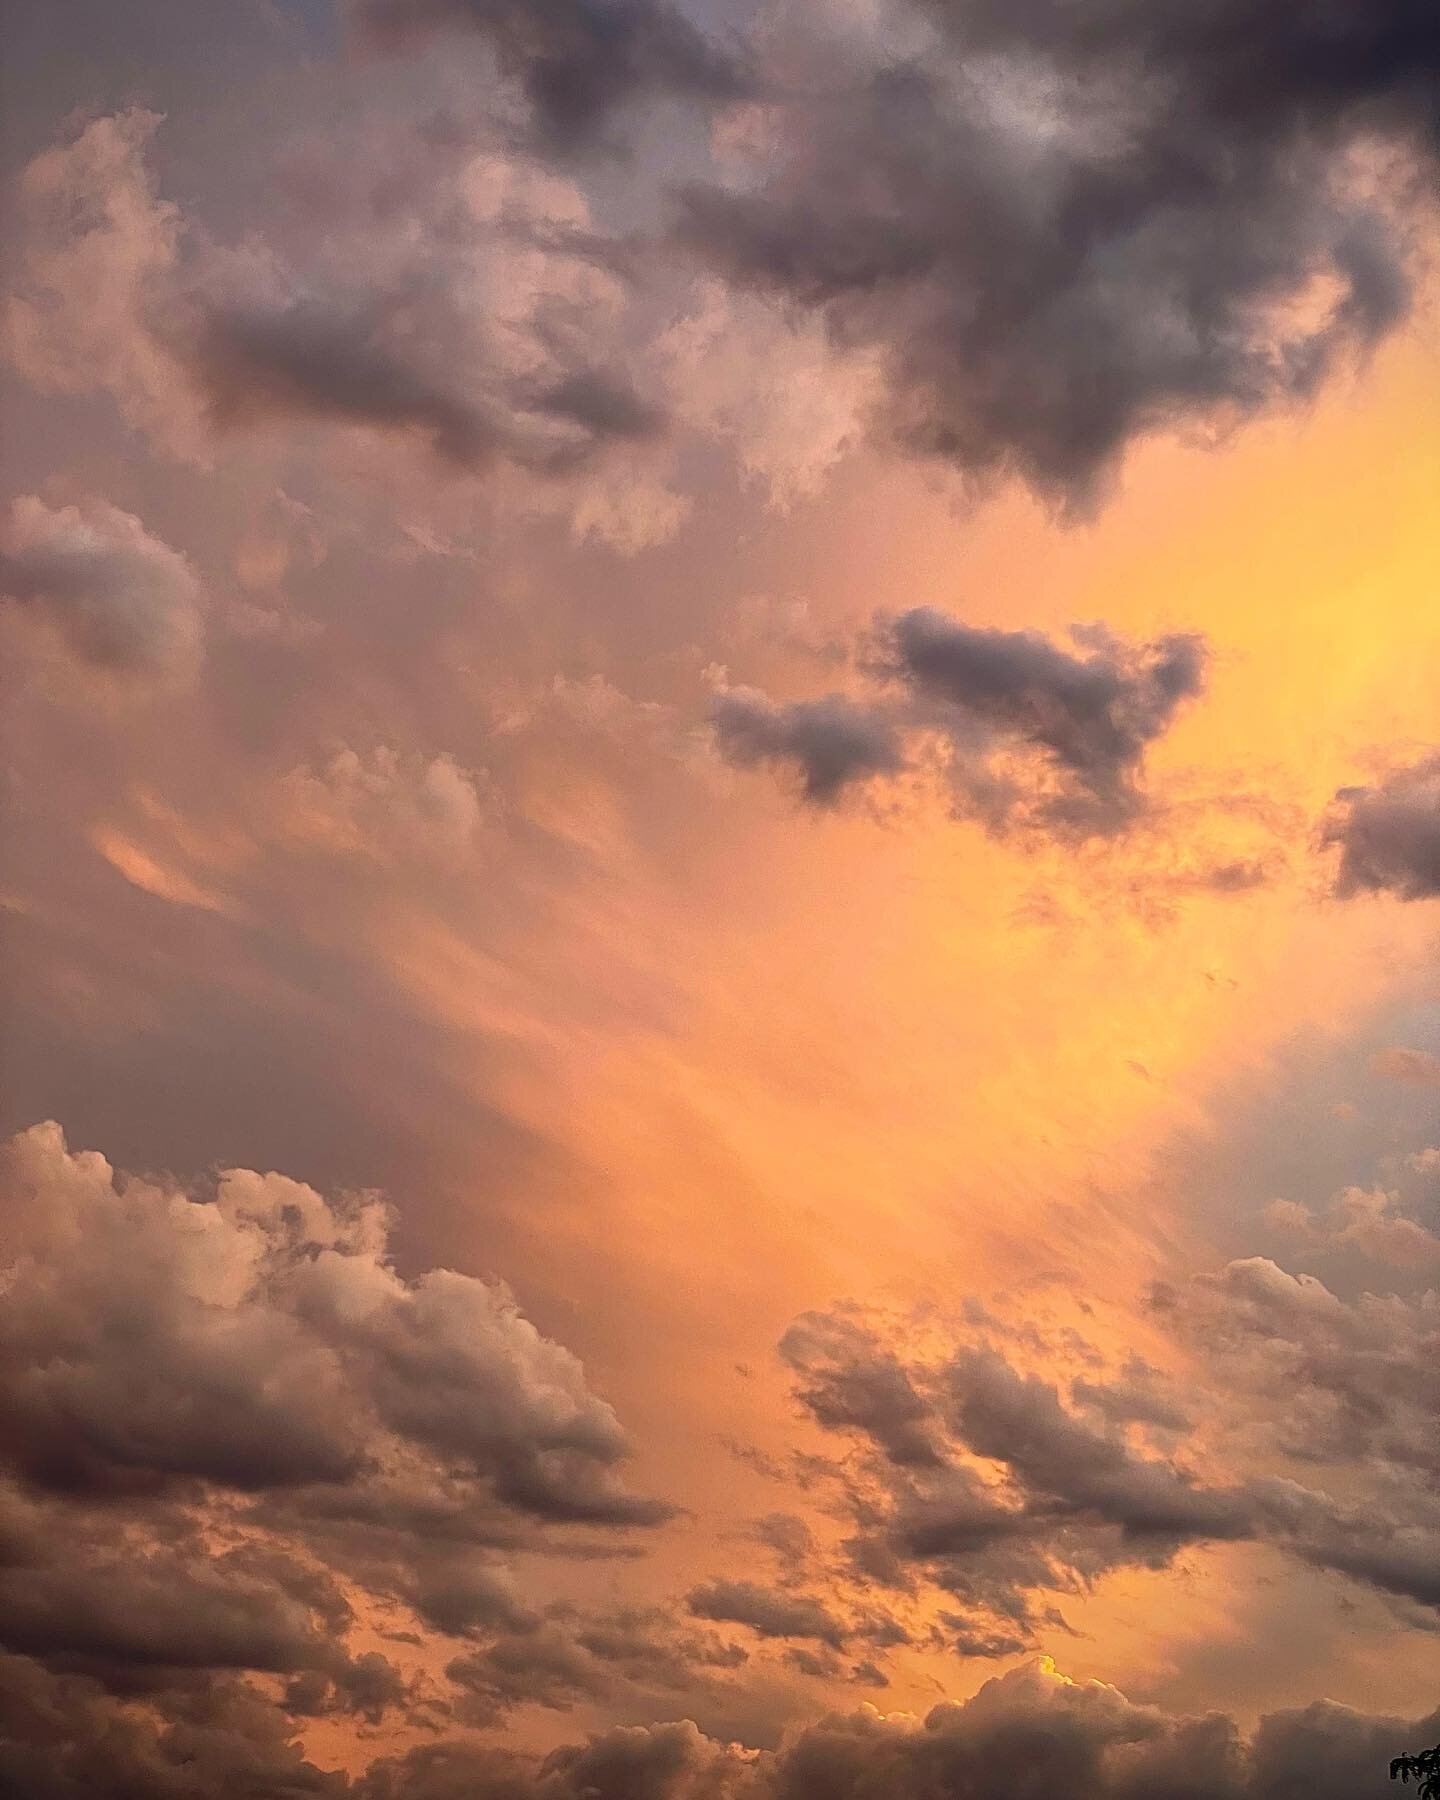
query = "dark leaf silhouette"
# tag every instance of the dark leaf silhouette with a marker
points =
(1424, 1767)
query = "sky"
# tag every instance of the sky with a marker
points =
(721, 1055)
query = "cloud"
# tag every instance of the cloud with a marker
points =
(579, 63)
(63, 1738)
(226, 1416)
(96, 258)
(1008, 1486)
(1091, 716)
(1389, 835)
(120, 601)
(1027, 1733)
(639, 1657)
(1029, 734)
(1400, 1064)
(771, 1612)
(263, 1341)
(231, 1430)
(832, 743)
(770, 381)
(1372, 1222)
(1065, 230)
(330, 360)
(456, 297)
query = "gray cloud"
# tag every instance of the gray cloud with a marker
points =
(1009, 1489)
(121, 601)
(262, 1341)
(63, 1738)
(1389, 835)
(1064, 229)
(453, 296)
(1091, 716)
(579, 63)
(833, 743)
(772, 1612)
(306, 358)
(330, 361)
(1027, 1733)
(1083, 719)
(641, 1656)
(222, 1416)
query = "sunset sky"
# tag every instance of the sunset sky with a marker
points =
(721, 1070)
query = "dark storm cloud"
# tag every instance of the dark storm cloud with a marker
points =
(832, 743)
(579, 62)
(1389, 835)
(1083, 718)
(1067, 227)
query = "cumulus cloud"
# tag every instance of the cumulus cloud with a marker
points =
(120, 601)
(1064, 230)
(1372, 1222)
(62, 1737)
(1029, 733)
(225, 1417)
(1388, 835)
(579, 63)
(262, 1340)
